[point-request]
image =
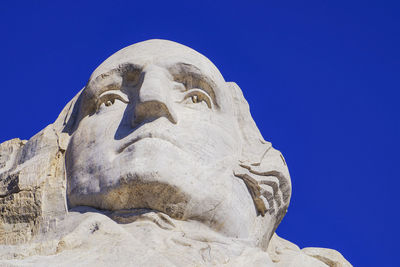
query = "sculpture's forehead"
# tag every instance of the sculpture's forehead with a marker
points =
(159, 52)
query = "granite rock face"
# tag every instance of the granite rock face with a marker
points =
(32, 186)
(155, 162)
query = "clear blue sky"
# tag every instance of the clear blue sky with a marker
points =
(322, 81)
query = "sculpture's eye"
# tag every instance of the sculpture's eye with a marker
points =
(198, 96)
(195, 99)
(109, 98)
(109, 102)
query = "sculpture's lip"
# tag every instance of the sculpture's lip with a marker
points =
(146, 136)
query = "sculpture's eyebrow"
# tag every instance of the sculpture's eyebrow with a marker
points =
(192, 77)
(103, 83)
(114, 79)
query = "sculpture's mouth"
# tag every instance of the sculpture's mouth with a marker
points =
(142, 136)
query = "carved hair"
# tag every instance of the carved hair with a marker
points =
(262, 168)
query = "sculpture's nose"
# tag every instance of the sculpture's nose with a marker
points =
(153, 98)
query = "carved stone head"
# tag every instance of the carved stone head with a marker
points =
(158, 127)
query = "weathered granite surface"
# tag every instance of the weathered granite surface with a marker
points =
(156, 162)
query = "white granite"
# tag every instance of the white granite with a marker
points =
(155, 162)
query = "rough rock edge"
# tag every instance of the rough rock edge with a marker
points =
(330, 257)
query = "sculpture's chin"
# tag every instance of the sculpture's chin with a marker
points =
(179, 197)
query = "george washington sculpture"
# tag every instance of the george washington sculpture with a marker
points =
(156, 162)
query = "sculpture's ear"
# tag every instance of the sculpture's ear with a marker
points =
(65, 124)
